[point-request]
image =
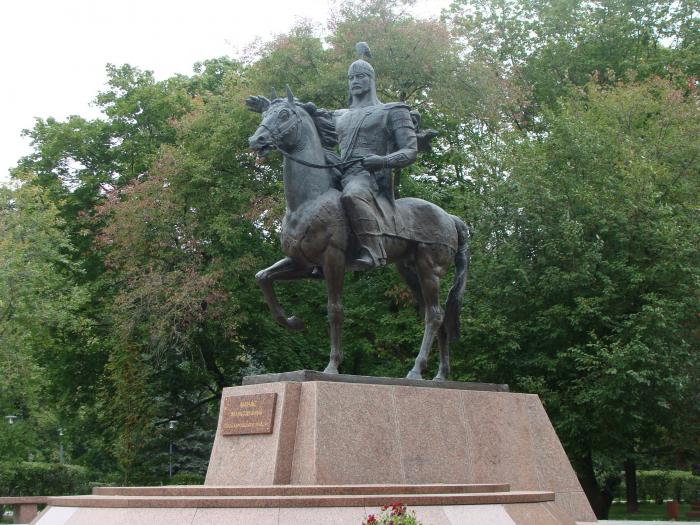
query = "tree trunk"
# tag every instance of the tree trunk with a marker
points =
(589, 483)
(631, 485)
(608, 493)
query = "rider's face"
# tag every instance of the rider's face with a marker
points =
(359, 83)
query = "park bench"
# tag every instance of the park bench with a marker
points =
(24, 507)
(695, 510)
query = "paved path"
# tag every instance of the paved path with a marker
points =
(616, 522)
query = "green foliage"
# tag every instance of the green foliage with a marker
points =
(663, 485)
(186, 478)
(43, 479)
(646, 512)
(128, 249)
(35, 262)
(547, 44)
(394, 514)
(588, 280)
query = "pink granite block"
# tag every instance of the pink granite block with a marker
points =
(481, 515)
(24, 513)
(559, 513)
(576, 505)
(324, 516)
(431, 435)
(259, 458)
(116, 516)
(554, 472)
(288, 417)
(428, 514)
(236, 516)
(531, 513)
(54, 516)
(434, 515)
(304, 461)
(357, 435)
(500, 444)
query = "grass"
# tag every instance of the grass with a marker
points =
(648, 511)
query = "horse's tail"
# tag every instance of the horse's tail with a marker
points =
(454, 298)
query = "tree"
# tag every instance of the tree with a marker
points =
(583, 199)
(588, 285)
(548, 44)
(39, 306)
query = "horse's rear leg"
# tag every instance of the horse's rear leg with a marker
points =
(334, 272)
(429, 278)
(443, 345)
(284, 269)
(408, 272)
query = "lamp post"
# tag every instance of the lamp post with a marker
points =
(60, 445)
(171, 426)
(11, 419)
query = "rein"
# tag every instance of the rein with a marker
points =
(278, 134)
(303, 162)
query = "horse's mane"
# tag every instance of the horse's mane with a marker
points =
(323, 120)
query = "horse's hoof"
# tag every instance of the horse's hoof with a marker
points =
(413, 375)
(331, 370)
(295, 324)
(439, 377)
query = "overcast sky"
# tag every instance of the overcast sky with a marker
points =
(53, 52)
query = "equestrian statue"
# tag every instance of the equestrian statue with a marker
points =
(341, 214)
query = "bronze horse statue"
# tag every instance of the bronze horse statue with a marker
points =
(317, 239)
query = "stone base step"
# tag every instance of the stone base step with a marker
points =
(543, 513)
(257, 501)
(300, 490)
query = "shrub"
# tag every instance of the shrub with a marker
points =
(394, 514)
(186, 478)
(30, 478)
(660, 485)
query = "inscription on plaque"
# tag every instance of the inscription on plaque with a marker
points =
(249, 414)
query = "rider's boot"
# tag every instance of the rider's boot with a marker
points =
(371, 254)
(363, 221)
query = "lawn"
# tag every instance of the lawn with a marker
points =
(647, 511)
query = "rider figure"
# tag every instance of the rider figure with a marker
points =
(384, 137)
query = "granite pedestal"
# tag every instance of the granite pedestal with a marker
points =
(456, 453)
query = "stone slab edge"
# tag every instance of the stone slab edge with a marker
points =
(299, 501)
(312, 375)
(300, 490)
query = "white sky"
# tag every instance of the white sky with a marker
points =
(53, 52)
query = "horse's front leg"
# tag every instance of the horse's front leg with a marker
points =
(334, 272)
(285, 269)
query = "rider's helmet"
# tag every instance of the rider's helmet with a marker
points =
(362, 66)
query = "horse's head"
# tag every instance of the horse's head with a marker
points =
(280, 126)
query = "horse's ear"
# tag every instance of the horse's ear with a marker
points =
(290, 95)
(273, 95)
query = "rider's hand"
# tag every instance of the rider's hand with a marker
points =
(373, 163)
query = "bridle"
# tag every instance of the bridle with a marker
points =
(282, 131)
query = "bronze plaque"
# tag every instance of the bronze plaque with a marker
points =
(249, 414)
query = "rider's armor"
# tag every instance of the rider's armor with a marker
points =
(385, 130)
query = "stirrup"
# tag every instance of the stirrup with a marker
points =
(366, 262)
